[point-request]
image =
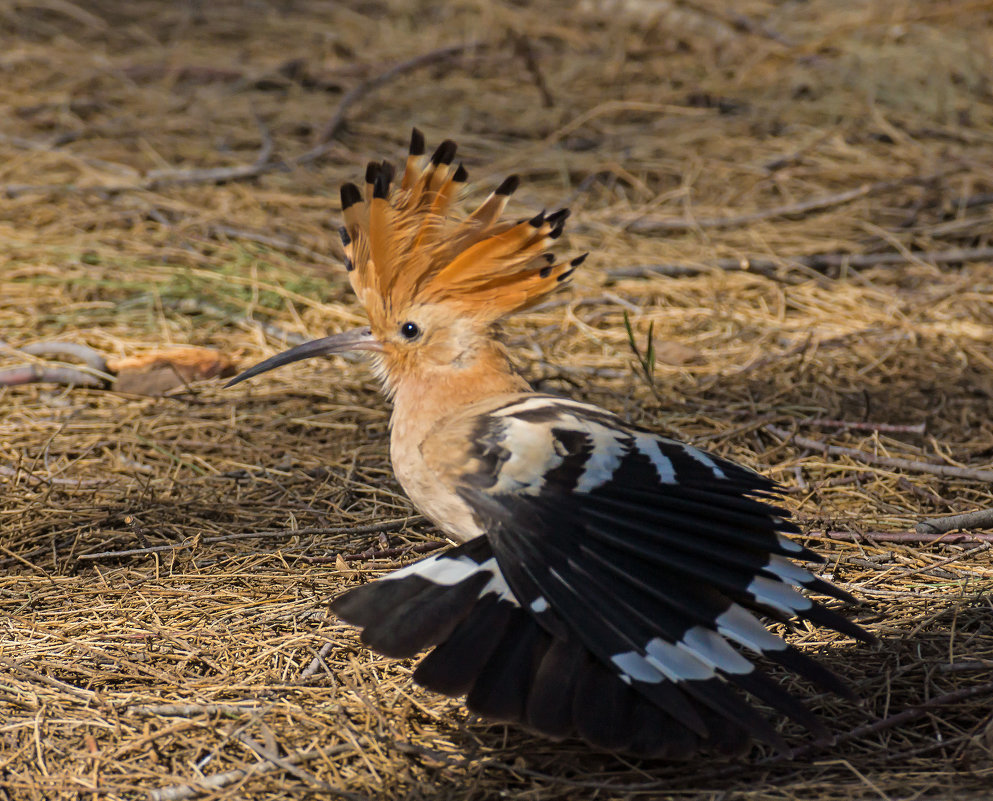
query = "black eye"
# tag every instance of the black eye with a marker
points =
(410, 331)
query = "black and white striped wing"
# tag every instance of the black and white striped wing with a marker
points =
(616, 593)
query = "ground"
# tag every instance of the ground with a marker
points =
(792, 199)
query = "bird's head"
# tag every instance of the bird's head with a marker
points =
(432, 283)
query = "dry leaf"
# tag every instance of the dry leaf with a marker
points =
(343, 567)
(159, 371)
(670, 352)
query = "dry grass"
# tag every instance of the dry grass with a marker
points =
(240, 501)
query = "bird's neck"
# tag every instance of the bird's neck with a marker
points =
(430, 392)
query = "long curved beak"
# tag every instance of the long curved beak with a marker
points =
(357, 339)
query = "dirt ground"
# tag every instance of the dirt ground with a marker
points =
(794, 198)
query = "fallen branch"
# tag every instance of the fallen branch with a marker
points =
(837, 481)
(885, 428)
(971, 201)
(983, 518)
(962, 667)
(40, 374)
(291, 767)
(522, 45)
(897, 719)
(932, 568)
(198, 306)
(73, 350)
(371, 528)
(210, 784)
(159, 179)
(947, 471)
(801, 209)
(857, 733)
(334, 125)
(318, 661)
(137, 551)
(744, 23)
(188, 710)
(78, 692)
(909, 537)
(14, 472)
(820, 262)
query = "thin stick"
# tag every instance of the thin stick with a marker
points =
(136, 551)
(188, 710)
(897, 719)
(78, 692)
(40, 374)
(800, 209)
(741, 22)
(913, 571)
(971, 201)
(962, 667)
(159, 179)
(837, 481)
(197, 306)
(899, 536)
(982, 518)
(218, 780)
(68, 482)
(372, 528)
(888, 428)
(949, 471)
(73, 350)
(208, 784)
(334, 125)
(883, 724)
(820, 262)
(522, 44)
(290, 766)
(318, 661)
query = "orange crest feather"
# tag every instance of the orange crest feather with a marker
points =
(404, 246)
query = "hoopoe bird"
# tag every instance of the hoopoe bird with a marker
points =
(609, 582)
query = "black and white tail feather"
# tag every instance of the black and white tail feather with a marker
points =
(616, 593)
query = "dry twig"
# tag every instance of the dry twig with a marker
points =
(852, 425)
(334, 125)
(218, 781)
(86, 354)
(908, 537)
(160, 179)
(292, 766)
(14, 472)
(646, 225)
(982, 518)
(820, 262)
(949, 471)
(42, 374)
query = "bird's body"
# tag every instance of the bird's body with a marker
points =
(609, 581)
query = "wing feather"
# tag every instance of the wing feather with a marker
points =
(617, 593)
